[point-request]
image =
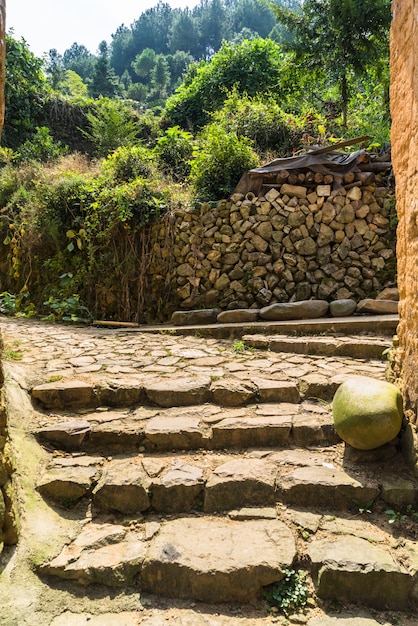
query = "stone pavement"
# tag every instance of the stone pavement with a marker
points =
(179, 471)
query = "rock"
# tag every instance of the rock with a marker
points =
(305, 309)
(377, 307)
(66, 485)
(215, 560)
(306, 246)
(325, 487)
(367, 412)
(232, 392)
(200, 316)
(174, 433)
(65, 395)
(179, 391)
(245, 432)
(178, 490)
(342, 308)
(353, 570)
(123, 488)
(239, 483)
(390, 293)
(398, 491)
(68, 435)
(238, 316)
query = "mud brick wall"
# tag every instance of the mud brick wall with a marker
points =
(293, 243)
(404, 107)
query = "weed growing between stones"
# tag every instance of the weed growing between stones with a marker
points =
(408, 513)
(363, 507)
(289, 593)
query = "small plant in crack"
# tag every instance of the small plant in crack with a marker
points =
(363, 507)
(289, 593)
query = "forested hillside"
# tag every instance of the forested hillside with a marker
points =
(171, 112)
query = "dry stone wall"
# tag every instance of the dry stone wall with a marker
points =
(293, 243)
(404, 107)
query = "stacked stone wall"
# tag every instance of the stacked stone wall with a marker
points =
(404, 107)
(293, 243)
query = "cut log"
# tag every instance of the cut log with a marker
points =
(374, 167)
(318, 178)
(301, 177)
(349, 177)
(309, 177)
(293, 178)
(328, 179)
(282, 176)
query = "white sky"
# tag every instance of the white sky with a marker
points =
(47, 24)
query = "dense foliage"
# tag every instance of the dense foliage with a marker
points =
(173, 110)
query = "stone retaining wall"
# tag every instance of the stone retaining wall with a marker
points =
(293, 243)
(404, 108)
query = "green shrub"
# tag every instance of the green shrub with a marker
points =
(251, 66)
(221, 158)
(128, 163)
(261, 120)
(112, 124)
(174, 151)
(41, 147)
(290, 593)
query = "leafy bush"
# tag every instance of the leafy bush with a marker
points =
(174, 151)
(221, 158)
(261, 120)
(128, 163)
(111, 125)
(41, 147)
(251, 67)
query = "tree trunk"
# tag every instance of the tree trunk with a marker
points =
(2, 59)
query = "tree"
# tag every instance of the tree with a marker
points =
(104, 81)
(184, 34)
(25, 89)
(250, 67)
(54, 69)
(80, 60)
(144, 64)
(342, 38)
(160, 78)
(254, 14)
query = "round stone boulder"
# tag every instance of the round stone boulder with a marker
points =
(367, 412)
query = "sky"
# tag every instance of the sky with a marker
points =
(46, 24)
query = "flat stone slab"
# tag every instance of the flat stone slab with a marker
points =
(233, 392)
(344, 619)
(379, 307)
(125, 618)
(167, 433)
(62, 394)
(178, 489)
(179, 391)
(305, 309)
(353, 570)
(68, 435)
(213, 560)
(102, 554)
(123, 487)
(238, 315)
(251, 431)
(276, 390)
(240, 483)
(66, 485)
(325, 487)
(314, 429)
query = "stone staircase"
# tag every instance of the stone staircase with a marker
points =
(207, 489)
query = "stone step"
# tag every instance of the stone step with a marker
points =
(232, 559)
(342, 346)
(207, 426)
(186, 391)
(220, 482)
